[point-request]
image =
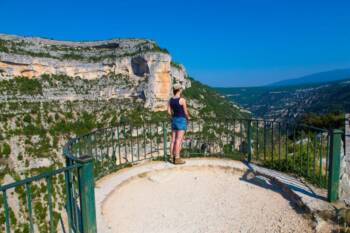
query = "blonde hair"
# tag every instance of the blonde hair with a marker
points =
(176, 88)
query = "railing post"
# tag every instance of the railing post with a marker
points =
(165, 134)
(249, 141)
(87, 195)
(334, 164)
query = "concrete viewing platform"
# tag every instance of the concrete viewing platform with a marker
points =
(207, 195)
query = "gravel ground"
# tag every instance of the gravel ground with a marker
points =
(195, 200)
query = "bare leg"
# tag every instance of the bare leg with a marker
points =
(172, 144)
(179, 137)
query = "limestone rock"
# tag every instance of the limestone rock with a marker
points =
(22, 65)
(148, 66)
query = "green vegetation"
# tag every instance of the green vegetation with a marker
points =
(72, 56)
(156, 48)
(3, 47)
(93, 53)
(138, 115)
(35, 86)
(21, 85)
(300, 159)
(5, 150)
(175, 64)
(244, 96)
(214, 104)
(332, 120)
(271, 101)
(84, 124)
(17, 47)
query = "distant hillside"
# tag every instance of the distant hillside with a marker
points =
(206, 102)
(321, 77)
(289, 102)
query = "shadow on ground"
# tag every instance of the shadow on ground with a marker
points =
(264, 182)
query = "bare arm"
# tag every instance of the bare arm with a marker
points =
(184, 104)
(170, 112)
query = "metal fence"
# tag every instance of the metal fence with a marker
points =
(55, 201)
(38, 204)
(297, 149)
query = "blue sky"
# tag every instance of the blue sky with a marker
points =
(221, 43)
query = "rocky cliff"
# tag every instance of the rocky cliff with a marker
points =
(146, 65)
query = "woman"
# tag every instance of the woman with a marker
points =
(177, 109)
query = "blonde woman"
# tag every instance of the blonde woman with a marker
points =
(177, 109)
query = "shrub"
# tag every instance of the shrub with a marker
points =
(5, 150)
(27, 118)
(3, 47)
(175, 64)
(28, 86)
(326, 121)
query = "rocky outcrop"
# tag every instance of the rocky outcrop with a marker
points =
(160, 80)
(13, 65)
(141, 60)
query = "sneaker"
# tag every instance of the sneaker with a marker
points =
(179, 161)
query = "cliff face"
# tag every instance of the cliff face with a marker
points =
(148, 67)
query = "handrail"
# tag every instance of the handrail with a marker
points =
(243, 122)
(38, 177)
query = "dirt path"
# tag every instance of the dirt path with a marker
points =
(208, 200)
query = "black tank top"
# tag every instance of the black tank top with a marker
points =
(178, 109)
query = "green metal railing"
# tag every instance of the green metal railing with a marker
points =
(304, 151)
(300, 150)
(31, 191)
(51, 201)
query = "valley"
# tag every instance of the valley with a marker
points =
(292, 102)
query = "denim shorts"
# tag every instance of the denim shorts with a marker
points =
(178, 123)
